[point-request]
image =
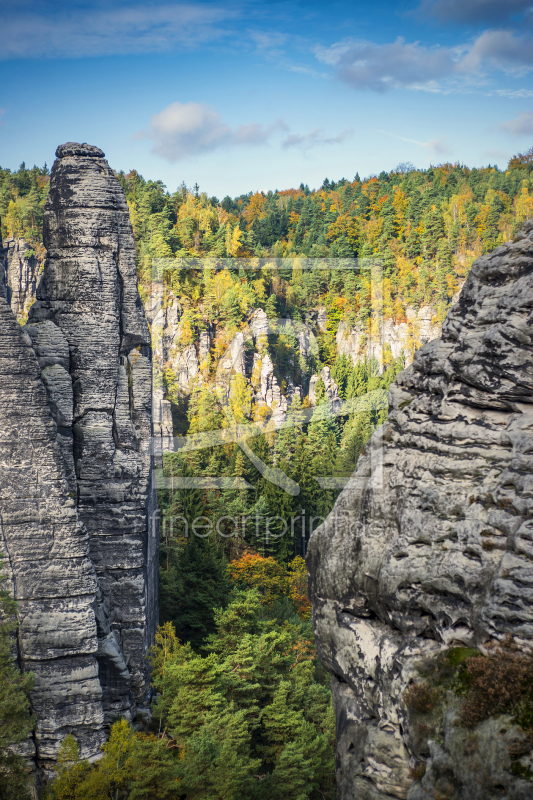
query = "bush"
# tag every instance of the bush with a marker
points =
(421, 697)
(496, 683)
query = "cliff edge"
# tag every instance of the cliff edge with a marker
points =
(429, 551)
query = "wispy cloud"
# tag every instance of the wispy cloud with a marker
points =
(114, 29)
(438, 145)
(513, 93)
(182, 130)
(521, 125)
(316, 138)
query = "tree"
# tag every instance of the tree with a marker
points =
(16, 721)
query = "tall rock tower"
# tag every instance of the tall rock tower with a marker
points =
(90, 339)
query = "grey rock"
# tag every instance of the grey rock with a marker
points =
(163, 428)
(46, 550)
(259, 323)
(77, 149)
(164, 315)
(204, 346)
(20, 276)
(332, 390)
(270, 392)
(237, 353)
(322, 319)
(78, 516)
(420, 327)
(429, 545)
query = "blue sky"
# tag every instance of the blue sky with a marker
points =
(247, 96)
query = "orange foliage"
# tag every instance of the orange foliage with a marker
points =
(257, 572)
(273, 580)
(255, 208)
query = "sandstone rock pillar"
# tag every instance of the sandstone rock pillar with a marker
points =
(89, 329)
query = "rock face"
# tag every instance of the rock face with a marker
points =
(430, 546)
(46, 555)
(419, 328)
(21, 273)
(86, 350)
(332, 390)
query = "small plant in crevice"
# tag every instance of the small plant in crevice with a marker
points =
(499, 682)
(421, 697)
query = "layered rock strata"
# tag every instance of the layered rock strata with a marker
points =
(430, 547)
(87, 341)
(45, 550)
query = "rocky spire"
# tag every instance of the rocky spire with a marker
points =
(89, 292)
(429, 546)
(78, 505)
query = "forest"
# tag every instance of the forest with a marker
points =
(242, 707)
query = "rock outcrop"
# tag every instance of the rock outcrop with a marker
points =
(430, 547)
(20, 275)
(331, 389)
(394, 338)
(90, 557)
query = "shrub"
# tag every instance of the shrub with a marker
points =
(421, 697)
(498, 682)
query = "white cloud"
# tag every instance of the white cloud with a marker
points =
(521, 125)
(112, 29)
(400, 64)
(499, 49)
(181, 130)
(315, 138)
(366, 65)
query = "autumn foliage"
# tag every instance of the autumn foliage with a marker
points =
(273, 580)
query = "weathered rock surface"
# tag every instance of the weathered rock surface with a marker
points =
(430, 544)
(419, 328)
(20, 275)
(163, 427)
(46, 551)
(90, 369)
(331, 388)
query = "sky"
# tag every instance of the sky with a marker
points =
(245, 95)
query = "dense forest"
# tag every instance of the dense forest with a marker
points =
(426, 226)
(242, 707)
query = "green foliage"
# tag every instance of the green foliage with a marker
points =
(249, 716)
(16, 722)
(248, 719)
(22, 198)
(133, 766)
